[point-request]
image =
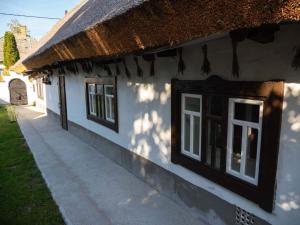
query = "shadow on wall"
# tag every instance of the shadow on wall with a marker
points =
(151, 134)
(288, 169)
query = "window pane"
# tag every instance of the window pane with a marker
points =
(251, 153)
(246, 112)
(187, 125)
(94, 103)
(196, 133)
(109, 90)
(107, 107)
(215, 105)
(192, 104)
(91, 103)
(112, 108)
(91, 88)
(214, 142)
(100, 106)
(99, 89)
(236, 148)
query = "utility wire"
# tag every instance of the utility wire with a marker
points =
(37, 17)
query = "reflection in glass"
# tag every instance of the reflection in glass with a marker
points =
(192, 104)
(246, 112)
(196, 137)
(187, 124)
(236, 148)
(251, 152)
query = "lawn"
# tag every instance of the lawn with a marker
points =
(24, 196)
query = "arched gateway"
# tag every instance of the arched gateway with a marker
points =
(18, 92)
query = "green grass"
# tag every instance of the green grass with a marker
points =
(24, 196)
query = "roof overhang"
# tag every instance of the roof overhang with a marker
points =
(159, 24)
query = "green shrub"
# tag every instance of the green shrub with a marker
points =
(10, 50)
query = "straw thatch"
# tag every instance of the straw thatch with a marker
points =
(116, 27)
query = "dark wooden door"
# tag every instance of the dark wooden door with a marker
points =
(63, 103)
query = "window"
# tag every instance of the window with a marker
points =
(102, 101)
(92, 99)
(244, 138)
(40, 88)
(191, 123)
(228, 132)
(109, 100)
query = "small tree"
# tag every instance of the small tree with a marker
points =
(10, 50)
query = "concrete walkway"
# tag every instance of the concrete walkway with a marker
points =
(89, 188)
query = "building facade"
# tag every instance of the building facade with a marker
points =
(200, 99)
(225, 147)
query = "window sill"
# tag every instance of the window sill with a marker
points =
(108, 124)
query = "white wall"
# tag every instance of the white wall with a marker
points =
(51, 95)
(145, 111)
(4, 87)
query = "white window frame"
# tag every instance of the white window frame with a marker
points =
(92, 94)
(245, 125)
(108, 104)
(191, 114)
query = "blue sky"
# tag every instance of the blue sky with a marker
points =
(37, 27)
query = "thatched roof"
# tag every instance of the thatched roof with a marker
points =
(98, 28)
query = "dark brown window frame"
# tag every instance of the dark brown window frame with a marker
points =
(103, 81)
(271, 92)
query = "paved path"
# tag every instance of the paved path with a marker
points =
(89, 188)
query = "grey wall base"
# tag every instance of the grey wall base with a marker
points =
(198, 200)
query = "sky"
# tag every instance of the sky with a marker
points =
(46, 8)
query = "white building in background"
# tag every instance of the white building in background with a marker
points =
(14, 87)
(24, 93)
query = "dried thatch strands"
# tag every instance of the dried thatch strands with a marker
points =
(127, 72)
(86, 65)
(296, 59)
(139, 70)
(235, 62)
(150, 58)
(237, 36)
(167, 53)
(117, 68)
(46, 80)
(206, 64)
(263, 34)
(72, 67)
(152, 68)
(47, 70)
(107, 69)
(61, 70)
(173, 22)
(181, 65)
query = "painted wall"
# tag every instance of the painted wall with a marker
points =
(145, 111)
(51, 95)
(4, 88)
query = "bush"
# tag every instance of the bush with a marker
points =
(10, 50)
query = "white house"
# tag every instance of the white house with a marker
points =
(17, 89)
(200, 99)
